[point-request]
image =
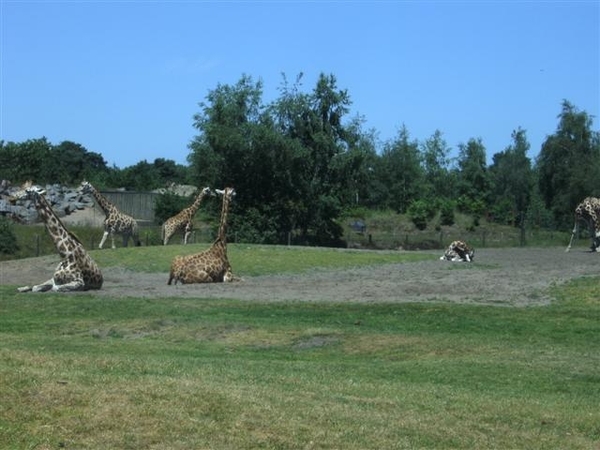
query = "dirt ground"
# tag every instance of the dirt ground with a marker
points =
(517, 277)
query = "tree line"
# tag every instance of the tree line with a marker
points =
(301, 162)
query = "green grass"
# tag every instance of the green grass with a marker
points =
(252, 260)
(78, 371)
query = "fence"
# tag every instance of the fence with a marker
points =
(139, 205)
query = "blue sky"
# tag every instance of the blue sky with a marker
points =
(124, 78)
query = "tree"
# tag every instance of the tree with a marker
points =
(569, 163)
(281, 158)
(438, 183)
(75, 163)
(401, 171)
(512, 181)
(473, 179)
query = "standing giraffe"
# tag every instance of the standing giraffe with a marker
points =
(211, 265)
(115, 222)
(77, 271)
(459, 251)
(588, 211)
(183, 221)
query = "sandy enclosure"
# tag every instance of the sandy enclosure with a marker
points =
(515, 276)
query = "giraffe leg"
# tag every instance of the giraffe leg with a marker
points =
(75, 285)
(187, 232)
(46, 286)
(104, 236)
(112, 239)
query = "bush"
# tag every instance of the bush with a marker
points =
(420, 212)
(8, 239)
(447, 212)
(169, 204)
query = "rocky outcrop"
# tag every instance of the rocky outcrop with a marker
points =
(64, 200)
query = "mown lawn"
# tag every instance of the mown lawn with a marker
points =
(77, 371)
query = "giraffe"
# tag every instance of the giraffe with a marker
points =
(115, 222)
(77, 271)
(183, 221)
(211, 265)
(588, 211)
(458, 251)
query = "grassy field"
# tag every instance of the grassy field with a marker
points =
(82, 372)
(384, 230)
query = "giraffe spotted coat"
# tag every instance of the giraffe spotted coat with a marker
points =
(77, 271)
(184, 220)
(116, 222)
(588, 211)
(211, 265)
(459, 251)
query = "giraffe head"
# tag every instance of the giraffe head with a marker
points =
(86, 187)
(28, 191)
(228, 192)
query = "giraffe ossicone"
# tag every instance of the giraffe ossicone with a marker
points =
(211, 265)
(115, 222)
(77, 271)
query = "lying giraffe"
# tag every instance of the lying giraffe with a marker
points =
(115, 222)
(459, 251)
(77, 271)
(184, 220)
(211, 265)
(588, 211)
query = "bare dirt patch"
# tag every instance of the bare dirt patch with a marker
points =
(517, 277)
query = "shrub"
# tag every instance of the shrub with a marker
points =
(169, 204)
(447, 212)
(420, 212)
(8, 239)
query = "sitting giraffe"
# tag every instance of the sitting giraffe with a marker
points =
(184, 220)
(588, 211)
(77, 271)
(458, 251)
(115, 222)
(211, 265)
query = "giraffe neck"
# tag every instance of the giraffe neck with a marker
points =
(194, 206)
(64, 241)
(222, 236)
(106, 206)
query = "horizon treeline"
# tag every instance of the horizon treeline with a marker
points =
(301, 162)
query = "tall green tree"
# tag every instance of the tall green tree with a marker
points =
(438, 183)
(75, 163)
(512, 181)
(569, 164)
(401, 171)
(473, 178)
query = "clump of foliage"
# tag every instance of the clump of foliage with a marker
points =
(169, 204)
(421, 212)
(447, 212)
(8, 239)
